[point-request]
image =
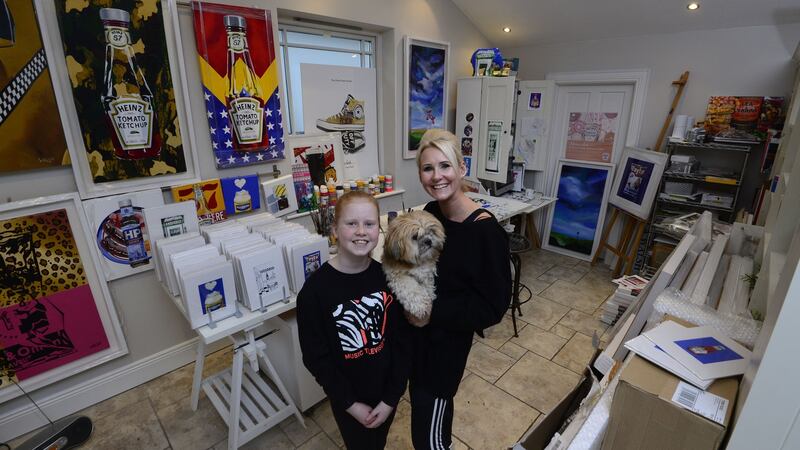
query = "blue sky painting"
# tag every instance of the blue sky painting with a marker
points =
(577, 211)
(426, 78)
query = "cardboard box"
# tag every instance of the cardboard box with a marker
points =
(644, 416)
(540, 435)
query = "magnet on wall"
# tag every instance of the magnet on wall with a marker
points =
(470, 116)
(468, 130)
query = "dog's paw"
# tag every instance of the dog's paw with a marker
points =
(418, 321)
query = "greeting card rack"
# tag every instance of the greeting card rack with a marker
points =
(245, 401)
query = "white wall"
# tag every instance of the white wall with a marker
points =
(736, 61)
(150, 323)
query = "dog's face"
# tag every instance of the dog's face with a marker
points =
(414, 238)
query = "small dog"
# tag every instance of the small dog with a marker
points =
(413, 244)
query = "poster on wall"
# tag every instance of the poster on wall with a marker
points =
(343, 100)
(591, 136)
(207, 196)
(425, 90)
(239, 71)
(575, 223)
(56, 317)
(241, 194)
(120, 232)
(126, 109)
(637, 181)
(27, 101)
(322, 155)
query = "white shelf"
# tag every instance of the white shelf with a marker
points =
(377, 197)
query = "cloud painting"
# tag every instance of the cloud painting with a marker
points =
(426, 89)
(577, 212)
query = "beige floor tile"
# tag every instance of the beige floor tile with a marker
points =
(539, 341)
(458, 445)
(535, 263)
(272, 439)
(535, 285)
(116, 403)
(542, 312)
(172, 387)
(497, 335)
(583, 323)
(133, 426)
(566, 273)
(599, 279)
(488, 363)
(319, 442)
(583, 297)
(400, 433)
(296, 433)
(562, 331)
(584, 265)
(547, 277)
(513, 350)
(576, 354)
(323, 416)
(187, 429)
(538, 382)
(485, 417)
(556, 258)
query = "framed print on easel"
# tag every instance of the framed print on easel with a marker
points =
(637, 181)
(575, 222)
(121, 90)
(56, 314)
(424, 90)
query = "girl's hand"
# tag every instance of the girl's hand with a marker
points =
(379, 415)
(361, 412)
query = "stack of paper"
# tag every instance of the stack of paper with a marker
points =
(698, 355)
(627, 291)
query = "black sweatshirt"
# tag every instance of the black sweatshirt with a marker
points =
(473, 291)
(354, 337)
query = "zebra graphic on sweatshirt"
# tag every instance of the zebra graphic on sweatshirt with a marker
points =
(361, 323)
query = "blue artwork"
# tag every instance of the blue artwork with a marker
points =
(635, 179)
(426, 89)
(212, 295)
(577, 212)
(241, 194)
(708, 350)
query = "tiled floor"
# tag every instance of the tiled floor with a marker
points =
(510, 381)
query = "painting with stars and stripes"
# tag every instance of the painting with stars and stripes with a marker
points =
(239, 70)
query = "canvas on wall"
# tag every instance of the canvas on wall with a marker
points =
(343, 100)
(425, 90)
(321, 153)
(279, 196)
(241, 194)
(208, 198)
(120, 232)
(637, 180)
(239, 71)
(56, 318)
(591, 136)
(27, 101)
(127, 110)
(576, 220)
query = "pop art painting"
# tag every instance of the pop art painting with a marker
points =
(208, 198)
(239, 70)
(241, 194)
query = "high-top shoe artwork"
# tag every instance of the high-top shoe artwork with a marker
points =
(350, 122)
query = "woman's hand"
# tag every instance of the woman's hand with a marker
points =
(361, 412)
(417, 322)
(379, 415)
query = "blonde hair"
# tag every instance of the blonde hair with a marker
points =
(351, 197)
(445, 141)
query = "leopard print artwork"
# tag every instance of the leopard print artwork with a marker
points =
(38, 257)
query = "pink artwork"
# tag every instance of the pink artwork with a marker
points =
(591, 136)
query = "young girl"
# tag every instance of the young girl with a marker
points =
(353, 334)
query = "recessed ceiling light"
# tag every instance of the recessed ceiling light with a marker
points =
(692, 6)
(507, 29)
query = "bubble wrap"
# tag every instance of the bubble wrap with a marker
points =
(591, 434)
(675, 303)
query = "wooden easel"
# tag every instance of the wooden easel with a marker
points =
(681, 83)
(625, 251)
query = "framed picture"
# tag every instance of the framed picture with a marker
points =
(239, 71)
(637, 181)
(241, 194)
(591, 136)
(207, 196)
(209, 293)
(574, 225)
(343, 100)
(28, 101)
(120, 84)
(171, 220)
(323, 154)
(120, 232)
(279, 196)
(56, 314)
(424, 90)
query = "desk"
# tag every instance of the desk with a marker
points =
(512, 205)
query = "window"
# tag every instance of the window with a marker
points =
(300, 45)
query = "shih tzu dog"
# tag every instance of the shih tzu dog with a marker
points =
(413, 244)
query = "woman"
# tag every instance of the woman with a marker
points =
(473, 289)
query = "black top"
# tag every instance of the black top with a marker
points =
(354, 337)
(473, 291)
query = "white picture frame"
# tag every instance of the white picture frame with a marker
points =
(305, 258)
(575, 196)
(321, 139)
(264, 277)
(100, 210)
(626, 195)
(273, 200)
(408, 41)
(78, 223)
(172, 219)
(56, 60)
(199, 285)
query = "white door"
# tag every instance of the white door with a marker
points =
(534, 111)
(497, 106)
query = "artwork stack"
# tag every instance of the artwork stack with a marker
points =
(628, 289)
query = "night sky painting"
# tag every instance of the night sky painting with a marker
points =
(577, 211)
(426, 78)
